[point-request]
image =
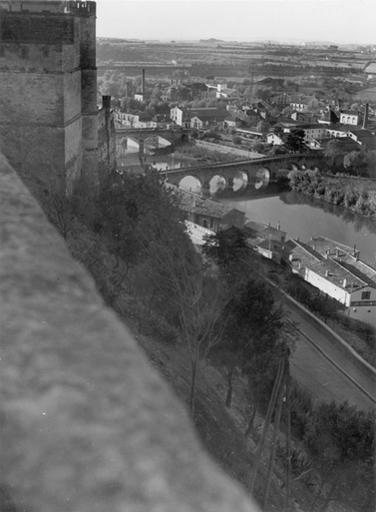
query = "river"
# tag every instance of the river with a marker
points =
(303, 217)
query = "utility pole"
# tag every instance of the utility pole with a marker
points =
(277, 422)
(260, 447)
(288, 440)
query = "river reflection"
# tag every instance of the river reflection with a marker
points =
(304, 217)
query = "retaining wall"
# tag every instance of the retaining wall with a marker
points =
(87, 424)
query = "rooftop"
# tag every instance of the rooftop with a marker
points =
(208, 114)
(193, 203)
(265, 230)
(371, 68)
(304, 256)
(347, 255)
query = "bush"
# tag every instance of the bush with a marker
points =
(301, 410)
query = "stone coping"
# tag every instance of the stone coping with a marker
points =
(87, 424)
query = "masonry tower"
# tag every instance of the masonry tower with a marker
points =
(48, 92)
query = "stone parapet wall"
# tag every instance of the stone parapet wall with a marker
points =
(87, 424)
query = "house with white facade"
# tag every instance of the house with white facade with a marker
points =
(274, 139)
(266, 240)
(350, 118)
(179, 115)
(337, 271)
(299, 106)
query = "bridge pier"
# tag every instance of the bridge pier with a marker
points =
(230, 183)
(141, 151)
(205, 188)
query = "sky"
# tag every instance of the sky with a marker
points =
(341, 21)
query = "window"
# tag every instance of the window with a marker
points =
(24, 52)
(366, 296)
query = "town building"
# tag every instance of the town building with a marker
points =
(201, 118)
(329, 117)
(127, 120)
(208, 213)
(274, 139)
(350, 118)
(370, 70)
(198, 234)
(299, 106)
(365, 138)
(229, 122)
(266, 240)
(198, 118)
(139, 96)
(312, 131)
(225, 92)
(249, 133)
(302, 117)
(180, 116)
(337, 271)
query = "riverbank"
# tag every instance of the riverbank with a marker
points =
(357, 195)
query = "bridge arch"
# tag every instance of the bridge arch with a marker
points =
(191, 183)
(240, 181)
(260, 178)
(217, 183)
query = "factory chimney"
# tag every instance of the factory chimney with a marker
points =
(365, 117)
(143, 83)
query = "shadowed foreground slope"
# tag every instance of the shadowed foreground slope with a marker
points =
(86, 424)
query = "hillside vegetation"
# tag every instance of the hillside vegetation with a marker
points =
(358, 195)
(207, 328)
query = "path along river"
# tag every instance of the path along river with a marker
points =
(303, 217)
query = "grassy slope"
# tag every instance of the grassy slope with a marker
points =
(220, 429)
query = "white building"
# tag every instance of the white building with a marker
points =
(176, 115)
(349, 118)
(273, 138)
(127, 120)
(334, 131)
(337, 271)
(198, 234)
(299, 106)
(312, 131)
(139, 96)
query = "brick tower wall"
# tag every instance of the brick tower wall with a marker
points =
(85, 12)
(40, 100)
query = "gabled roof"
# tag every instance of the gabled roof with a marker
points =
(193, 203)
(329, 268)
(349, 113)
(371, 68)
(208, 114)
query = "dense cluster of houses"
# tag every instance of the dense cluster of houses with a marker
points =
(348, 127)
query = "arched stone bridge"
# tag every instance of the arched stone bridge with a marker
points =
(174, 134)
(258, 172)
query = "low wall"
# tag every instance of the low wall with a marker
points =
(87, 424)
(367, 382)
(222, 148)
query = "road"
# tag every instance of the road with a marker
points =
(325, 369)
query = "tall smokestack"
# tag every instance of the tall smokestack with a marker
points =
(365, 116)
(143, 83)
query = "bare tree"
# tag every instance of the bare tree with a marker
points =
(197, 298)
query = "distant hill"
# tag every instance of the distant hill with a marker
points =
(211, 40)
